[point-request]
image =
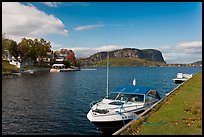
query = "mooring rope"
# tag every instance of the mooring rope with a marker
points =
(120, 112)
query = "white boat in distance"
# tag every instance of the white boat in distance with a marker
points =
(181, 77)
(120, 106)
(61, 68)
(29, 71)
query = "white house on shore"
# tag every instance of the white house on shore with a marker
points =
(18, 63)
(27, 62)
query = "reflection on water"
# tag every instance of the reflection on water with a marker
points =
(57, 103)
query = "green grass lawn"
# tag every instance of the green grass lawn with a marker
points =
(6, 67)
(179, 114)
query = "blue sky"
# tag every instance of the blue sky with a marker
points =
(88, 27)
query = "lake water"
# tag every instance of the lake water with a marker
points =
(57, 103)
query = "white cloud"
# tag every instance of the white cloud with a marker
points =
(27, 21)
(77, 3)
(82, 52)
(183, 52)
(88, 27)
(94, 26)
(191, 45)
(56, 4)
(167, 49)
(52, 4)
(55, 46)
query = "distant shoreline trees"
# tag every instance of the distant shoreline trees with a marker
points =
(35, 50)
(26, 49)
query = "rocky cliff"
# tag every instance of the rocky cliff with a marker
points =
(151, 55)
(197, 63)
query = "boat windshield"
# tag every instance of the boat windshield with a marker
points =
(126, 97)
(112, 96)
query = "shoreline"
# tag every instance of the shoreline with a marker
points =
(139, 126)
(18, 73)
(11, 75)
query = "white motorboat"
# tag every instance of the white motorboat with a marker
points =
(181, 77)
(120, 106)
(57, 67)
(61, 68)
(29, 71)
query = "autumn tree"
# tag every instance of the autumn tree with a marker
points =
(32, 53)
(42, 47)
(56, 54)
(23, 48)
(71, 57)
(4, 43)
(10, 45)
(66, 63)
(13, 49)
(33, 49)
(27, 48)
(5, 46)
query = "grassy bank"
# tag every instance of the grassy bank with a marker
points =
(179, 114)
(6, 67)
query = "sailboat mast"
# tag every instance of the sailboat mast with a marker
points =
(107, 73)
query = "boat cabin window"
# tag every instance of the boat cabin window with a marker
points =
(112, 96)
(135, 98)
(126, 97)
(152, 95)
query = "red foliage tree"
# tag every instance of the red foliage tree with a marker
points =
(71, 57)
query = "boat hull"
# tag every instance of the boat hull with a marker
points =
(182, 77)
(63, 70)
(179, 81)
(109, 127)
(111, 123)
(111, 114)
